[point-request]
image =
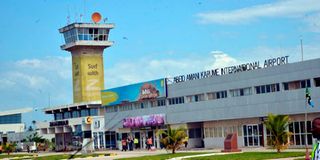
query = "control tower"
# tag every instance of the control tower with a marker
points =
(86, 42)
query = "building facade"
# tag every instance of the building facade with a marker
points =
(213, 106)
(11, 123)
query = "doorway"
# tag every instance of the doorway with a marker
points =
(253, 135)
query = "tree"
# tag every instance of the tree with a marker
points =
(8, 147)
(30, 128)
(36, 138)
(172, 139)
(277, 125)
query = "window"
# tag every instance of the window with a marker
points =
(96, 124)
(96, 34)
(112, 109)
(241, 92)
(317, 82)
(95, 140)
(93, 111)
(75, 114)
(217, 95)
(176, 100)
(296, 84)
(10, 119)
(84, 113)
(101, 141)
(70, 36)
(58, 116)
(298, 133)
(195, 98)
(267, 88)
(195, 133)
(66, 115)
(161, 102)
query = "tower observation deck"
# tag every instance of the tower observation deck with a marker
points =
(86, 42)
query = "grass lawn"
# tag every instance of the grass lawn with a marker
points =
(164, 156)
(252, 156)
(240, 156)
(65, 156)
(5, 155)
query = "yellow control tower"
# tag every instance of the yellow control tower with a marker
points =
(86, 42)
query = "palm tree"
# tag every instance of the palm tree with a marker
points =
(172, 139)
(277, 125)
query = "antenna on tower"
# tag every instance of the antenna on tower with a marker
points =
(105, 20)
(301, 45)
(76, 17)
(81, 17)
(68, 17)
(84, 8)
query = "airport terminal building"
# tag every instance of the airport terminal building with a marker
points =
(210, 104)
(213, 103)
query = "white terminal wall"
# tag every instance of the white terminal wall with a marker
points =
(18, 127)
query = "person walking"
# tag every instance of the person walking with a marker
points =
(186, 139)
(124, 144)
(149, 143)
(136, 142)
(130, 144)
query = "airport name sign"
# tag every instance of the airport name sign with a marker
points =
(232, 69)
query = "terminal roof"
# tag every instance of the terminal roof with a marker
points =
(16, 111)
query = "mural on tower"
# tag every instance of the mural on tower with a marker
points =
(87, 77)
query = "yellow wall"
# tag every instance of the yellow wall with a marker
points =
(87, 73)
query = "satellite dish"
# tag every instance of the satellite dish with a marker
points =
(96, 17)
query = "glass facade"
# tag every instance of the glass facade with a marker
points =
(86, 34)
(95, 34)
(10, 119)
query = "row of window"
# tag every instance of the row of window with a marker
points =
(217, 95)
(210, 132)
(296, 84)
(176, 100)
(10, 119)
(241, 92)
(298, 133)
(267, 88)
(195, 98)
(262, 89)
(136, 105)
(96, 34)
(76, 114)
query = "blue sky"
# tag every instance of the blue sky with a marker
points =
(153, 39)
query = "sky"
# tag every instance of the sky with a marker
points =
(152, 39)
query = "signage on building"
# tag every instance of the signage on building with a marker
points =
(232, 69)
(88, 120)
(144, 121)
(59, 123)
(135, 92)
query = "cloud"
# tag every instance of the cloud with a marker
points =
(311, 51)
(30, 81)
(221, 59)
(145, 69)
(313, 21)
(286, 8)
